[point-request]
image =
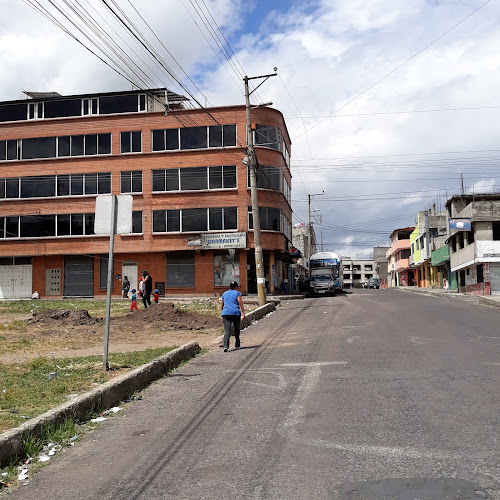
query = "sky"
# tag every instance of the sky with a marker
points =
(387, 102)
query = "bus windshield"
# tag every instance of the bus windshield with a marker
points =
(324, 263)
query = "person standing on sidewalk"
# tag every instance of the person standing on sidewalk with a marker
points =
(148, 289)
(232, 314)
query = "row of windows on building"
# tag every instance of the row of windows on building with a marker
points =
(214, 136)
(164, 221)
(163, 180)
(67, 108)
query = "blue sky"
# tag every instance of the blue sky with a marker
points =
(393, 148)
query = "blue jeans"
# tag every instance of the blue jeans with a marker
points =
(228, 320)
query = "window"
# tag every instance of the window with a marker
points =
(180, 269)
(270, 218)
(226, 269)
(137, 222)
(13, 112)
(130, 142)
(60, 109)
(103, 273)
(12, 227)
(194, 138)
(417, 245)
(195, 219)
(38, 186)
(453, 244)
(131, 182)
(37, 226)
(193, 178)
(496, 231)
(41, 147)
(214, 136)
(470, 237)
(118, 104)
(480, 273)
(12, 188)
(460, 238)
(267, 178)
(265, 135)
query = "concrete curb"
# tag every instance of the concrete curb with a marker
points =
(489, 301)
(105, 396)
(254, 315)
(430, 291)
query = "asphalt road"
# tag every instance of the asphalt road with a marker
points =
(378, 394)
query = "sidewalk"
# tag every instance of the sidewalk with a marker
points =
(489, 300)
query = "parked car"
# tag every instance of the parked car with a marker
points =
(373, 283)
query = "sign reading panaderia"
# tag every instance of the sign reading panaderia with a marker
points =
(460, 224)
(223, 240)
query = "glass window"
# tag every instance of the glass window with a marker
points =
(40, 147)
(158, 140)
(118, 104)
(12, 149)
(172, 138)
(2, 189)
(142, 102)
(90, 183)
(63, 185)
(38, 226)
(63, 145)
(226, 269)
(131, 182)
(229, 176)
(269, 218)
(215, 136)
(3, 150)
(172, 175)
(229, 132)
(2, 227)
(76, 184)
(193, 178)
(230, 218)
(137, 181)
(12, 227)
(215, 177)
(159, 221)
(266, 135)
(38, 186)
(63, 225)
(12, 112)
(104, 182)
(95, 104)
(76, 224)
(91, 144)
(173, 221)
(136, 141)
(158, 180)
(215, 219)
(137, 222)
(104, 144)
(194, 138)
(125, 142)
(89, 224)
(194, 219)
(180, 269)
(60, 109)
(77, 145)
(12, 187)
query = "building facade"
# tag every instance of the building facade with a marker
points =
(398, 270)
(192, 227)
(474, 241)
(357, 271)
(381, 265)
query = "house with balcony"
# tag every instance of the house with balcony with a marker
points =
(398, 271)
(357, 271)
(192, 226)
(474, 241)
(428, 235)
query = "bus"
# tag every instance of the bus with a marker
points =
(327, 273)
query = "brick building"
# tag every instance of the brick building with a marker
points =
(182, 166)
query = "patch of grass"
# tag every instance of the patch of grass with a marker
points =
(29, 392)
(203, 306)
(2, 337)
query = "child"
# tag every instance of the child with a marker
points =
(134, 300)
(156, 295)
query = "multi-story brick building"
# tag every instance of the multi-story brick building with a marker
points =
(183, 168)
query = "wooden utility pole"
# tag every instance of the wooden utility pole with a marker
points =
(251, 161)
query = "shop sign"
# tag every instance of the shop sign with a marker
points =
(215, 241)
(460, 224)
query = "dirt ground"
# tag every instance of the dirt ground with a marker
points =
(74, 333)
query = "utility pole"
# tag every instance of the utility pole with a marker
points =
(251, 161)
(309, 225)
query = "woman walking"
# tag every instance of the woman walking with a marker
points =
(232, 314)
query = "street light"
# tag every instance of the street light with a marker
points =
(310, 197)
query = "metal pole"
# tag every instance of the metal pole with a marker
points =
(110, 281)
(309, 236)
(259, 261)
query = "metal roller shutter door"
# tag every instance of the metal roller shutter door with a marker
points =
(495, 279)
(78, 276)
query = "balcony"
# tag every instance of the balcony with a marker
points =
(487, 248)
(401, 265)
(398, 245)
